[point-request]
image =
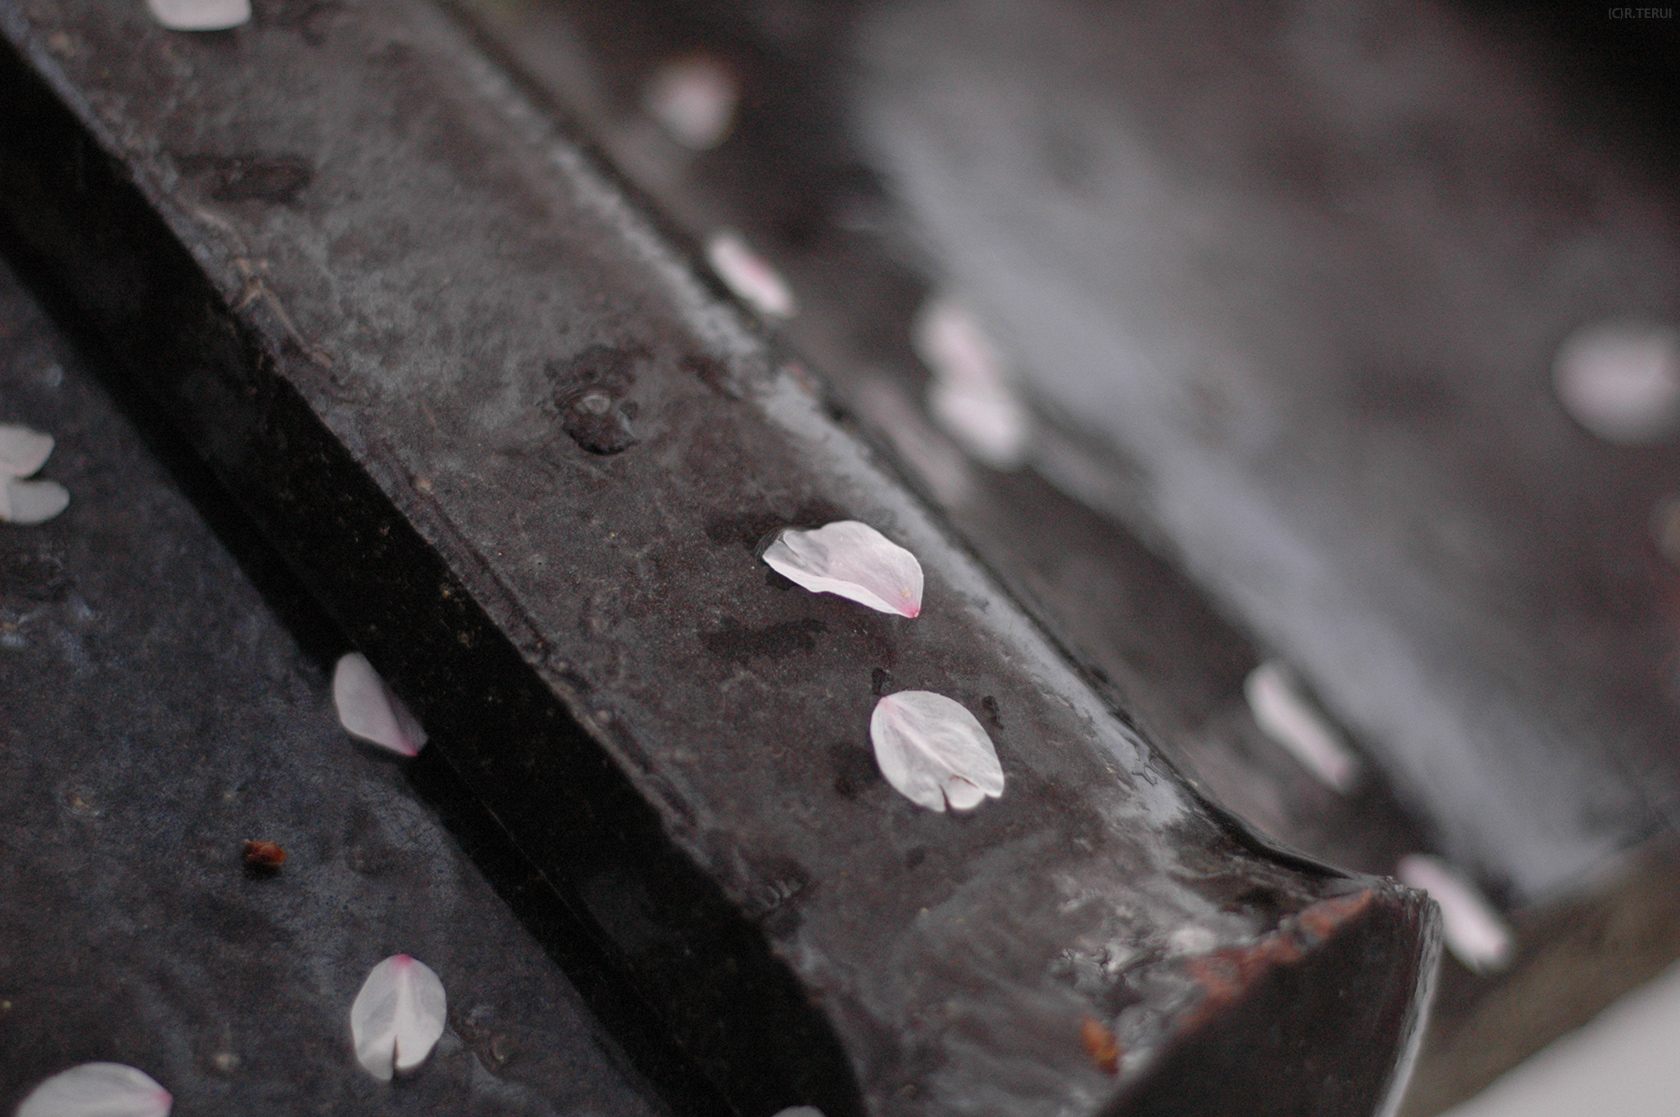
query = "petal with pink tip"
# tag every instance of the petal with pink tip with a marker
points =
(398, 1016)
(1473, 930)
(852, 560)
(368, 709)
(750, 276)
(98, 1090)
(933, 751)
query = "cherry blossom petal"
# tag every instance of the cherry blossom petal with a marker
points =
(750, 276)
(800, 1111)
(398, 1016)
(932, 750)
(972, 396)
(990, 424)
(1473, 931)
(31, 502)
(98, 1090)
(22, 450)
(694, 100)
(1621, 380)
(852, 560)
(368, 709)
(200, 15)
(1289, 719)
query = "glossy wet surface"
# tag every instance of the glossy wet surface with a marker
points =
(156, 714)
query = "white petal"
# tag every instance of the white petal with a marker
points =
(1474, 932)
(1290, 720)
(200, 15)
(1621, 380)
(750, 276)
(990, 424)
(852, 560)
(800, 1111)
(694, 100)
(398, 1016)
(22, 451)
(31, 502)
(972, 396)
(97, 1090)
(368, 709)
(950, 341)
(931, 749)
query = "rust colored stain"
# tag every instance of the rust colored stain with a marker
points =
(264, 855)
(1226, 975)
(1101, 1045)
(1322, 918)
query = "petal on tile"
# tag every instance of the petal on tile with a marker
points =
(98, 1090)
(852, 560)
(22, 450)
(1473, 930)
(31, 502)
(972, 396)
(398, 1016)
(200, 15)
(1285, 715)
(368, 710)
(933, 751)
(750, 276)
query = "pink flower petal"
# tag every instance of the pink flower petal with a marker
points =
(932, 750)
(200, 15)
(398, 1016)
(22, 450)
(971, 397)
(852, 560)
(750, 276)
(1289, 719)
(98, 1090)
(990, 425)
(1473, 931)
(368, 709)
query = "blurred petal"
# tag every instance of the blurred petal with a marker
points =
(750, 276)
(1290, 720)
(31, 502)
(22, 451)
(1621, 380)
(852, 560)
(97, 1090)
(398, 1016)
(990, 424)
(972, 396)
(368, 709)
(931, 749)
(694, 100)
(1473, 931)
(200, 15)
